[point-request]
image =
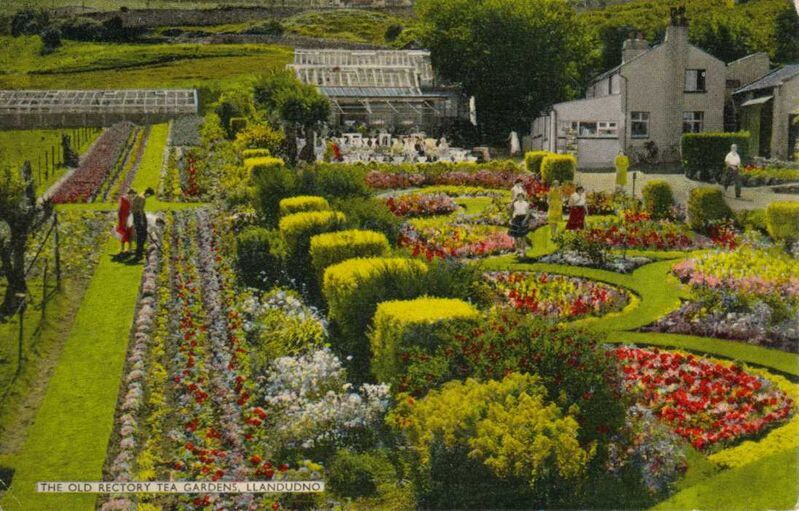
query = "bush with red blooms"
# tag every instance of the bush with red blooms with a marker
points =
(636, 229)
(421, 204)
(572, 364)
(84, 183)
(704, 401)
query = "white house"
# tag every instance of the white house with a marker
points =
(653, 97)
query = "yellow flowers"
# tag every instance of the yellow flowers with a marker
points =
(351, 273)
(262, 162)
(303, 203)
(506, 424)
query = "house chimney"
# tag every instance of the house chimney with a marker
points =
(633, 46)
(677, 31)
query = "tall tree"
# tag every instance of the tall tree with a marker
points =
(20, 216)
(786, 31)
(517, 57)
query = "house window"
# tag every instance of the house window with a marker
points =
(587, 129)
(639, 124)
(695, 80)
(693, 122)
(608, 129)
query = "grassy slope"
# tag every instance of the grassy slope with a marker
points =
(93, 65)
(16, 146)
(346, 24)
(149, 172)
(68, 438)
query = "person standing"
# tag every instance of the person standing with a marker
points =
(622, 163)
(520, 222)
(732, 162)
(518, 189)
(140, 220)
(123, 230)
(555, 208)
(515, 146)
(578, 207)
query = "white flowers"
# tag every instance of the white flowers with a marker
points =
(311, 403)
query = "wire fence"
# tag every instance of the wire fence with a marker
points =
(48, 161)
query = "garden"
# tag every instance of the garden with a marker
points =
(369, 326)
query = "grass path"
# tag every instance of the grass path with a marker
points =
(69, 436)
(149, 172)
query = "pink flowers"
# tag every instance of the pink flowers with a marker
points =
(421, 204)
(703, 401)
(83, 184)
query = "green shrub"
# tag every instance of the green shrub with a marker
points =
(258, 263)
(703, 153)
(534, 159)
(751, 219)
(706, 205)
(248, 154)
(352, 290)
(558, 167)
(782, 220)
(410, 324)
(272, 182)
(335, 247)
(336, 181)
(519, 438)
(303, 203)
(237, 124)
(355, 475)
(371, 214)
(658, 199)
(297, 230)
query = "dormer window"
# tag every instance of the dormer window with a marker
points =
(695, 80)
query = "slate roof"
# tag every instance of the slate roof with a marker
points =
(771, 80)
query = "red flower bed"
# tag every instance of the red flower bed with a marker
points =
(421, 204)
(84, 183)
(703, 401)
(638, 230)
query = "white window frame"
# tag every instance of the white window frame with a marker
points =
(692, 83)
(643, 119)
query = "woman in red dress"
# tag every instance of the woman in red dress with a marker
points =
(577, 209)
(124, 229)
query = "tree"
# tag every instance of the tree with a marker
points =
(724, 37)
(51, 37)
(20, 216)
(786, 32)
(516, 57)
(304, 107)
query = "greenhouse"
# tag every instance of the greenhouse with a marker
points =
(21, 109)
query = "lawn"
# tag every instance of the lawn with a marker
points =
(345, 24)
(149, 172)
(68, 438)
(125, 66)
(16, 146)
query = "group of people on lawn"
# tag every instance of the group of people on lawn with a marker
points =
(132, 221)
(521, 212)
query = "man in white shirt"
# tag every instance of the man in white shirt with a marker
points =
(732, 162)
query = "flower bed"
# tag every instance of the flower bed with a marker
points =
(706, 402)
(185, 131)
(84, 183)
(421, 204)
(462, 240)
(748, 294)
(482, 178)
(752, 175)
(555, 296)
(611, 262)
(638, 230)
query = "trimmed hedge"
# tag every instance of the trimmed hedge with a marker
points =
(258, 264)
(302, 204)
(272, 182)
(400, 325)
(297, 230)
(703, 153)
(658, 199)
(558, 167)
(255, 153)
(782, 220)
(334, 247)
(352, 290)
(706, 205)
(534, 159)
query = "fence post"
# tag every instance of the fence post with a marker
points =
(44, 287)
(57, 252)
(46, 165)
(21, 312)
(52, 154)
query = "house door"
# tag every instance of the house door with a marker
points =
(766, 116)
(793, 135)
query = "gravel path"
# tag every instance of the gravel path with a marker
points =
(751, 198)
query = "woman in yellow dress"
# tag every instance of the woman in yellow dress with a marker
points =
(622, 164)
(555, 210)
